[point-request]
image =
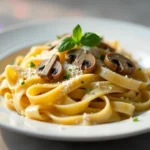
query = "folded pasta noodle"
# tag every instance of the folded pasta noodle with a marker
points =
(82, 85)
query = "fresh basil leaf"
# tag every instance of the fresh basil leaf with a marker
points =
(77, 33)
(66, 44)
(90, 39)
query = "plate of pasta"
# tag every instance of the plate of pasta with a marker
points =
(75, 79)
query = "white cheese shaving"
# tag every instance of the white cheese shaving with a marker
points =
(122, 98)
(86, 119)
(97, 84)
(72, 70)
(25, 73)
(110, 87)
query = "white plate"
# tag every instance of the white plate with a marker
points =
(134, 38)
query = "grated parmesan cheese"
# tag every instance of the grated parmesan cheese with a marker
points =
(110, 87)
(122, 98)
(72, 70)
(97, 84)
(25, 73)
(85, 117)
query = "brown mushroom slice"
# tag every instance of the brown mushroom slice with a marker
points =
(83, 59)
(46, 72)
(73, 54)
(57, 71)
(80, 58)
(105, 46)
(41, 66)
(50, 69)
(89, 64)
(120, 64)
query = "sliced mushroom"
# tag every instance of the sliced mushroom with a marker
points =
(57, 71)
(105, 46)
(56, 42)
(89, 64)
(85, 60)
(73, 54)
(50, 69)
(120, 64)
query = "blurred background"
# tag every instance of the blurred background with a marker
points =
(16, 11)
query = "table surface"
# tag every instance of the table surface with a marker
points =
(18, 11)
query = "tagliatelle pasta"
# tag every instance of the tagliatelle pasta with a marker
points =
(77, 96)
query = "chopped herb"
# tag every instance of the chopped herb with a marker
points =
(82, 82)
(41, 67)
(49, 44)
(88, 90)
(135, 119)
(70, 69)
(32, 65)
(102, 57)
(18, 63)
(67, 76)
(58, 37)
(22, 83)
(140, 69)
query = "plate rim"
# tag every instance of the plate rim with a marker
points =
(73, 139)
(63, 137)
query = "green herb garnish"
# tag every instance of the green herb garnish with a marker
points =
(41, 67)
(66, 44)
(90, 39)
(77, 33)
(135, 119)
(87, 39)
(70, 70)
(58, 37)
(140, 69)
(22, 83)
(67, 76)
(88, 90)
(102, 57)
(82, 82)
(18, 63)
(32, 65)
